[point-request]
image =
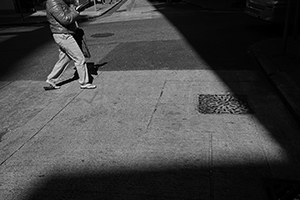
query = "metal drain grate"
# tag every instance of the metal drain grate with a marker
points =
(283, 189)
(223, 104)
(102, 35)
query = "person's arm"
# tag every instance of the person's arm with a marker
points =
(65, 18)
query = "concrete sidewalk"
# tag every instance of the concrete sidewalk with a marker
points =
(139, 135)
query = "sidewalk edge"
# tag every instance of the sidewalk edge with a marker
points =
(99, 14)
(287, 89)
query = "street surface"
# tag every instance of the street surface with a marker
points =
(139, 135)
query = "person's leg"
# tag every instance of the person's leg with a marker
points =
(59, 67)
(74, 52)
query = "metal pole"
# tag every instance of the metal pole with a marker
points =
(296, 22)
(298, 57)
(296, 27)
(286, 27)
(20, 8)
(95, 6)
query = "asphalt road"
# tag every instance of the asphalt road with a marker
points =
(220, 39)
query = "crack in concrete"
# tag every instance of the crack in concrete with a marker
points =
(155, 108)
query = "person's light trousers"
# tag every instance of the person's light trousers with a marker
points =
(69, 50)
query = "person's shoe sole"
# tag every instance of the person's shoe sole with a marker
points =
(52, 85)
(88, 86)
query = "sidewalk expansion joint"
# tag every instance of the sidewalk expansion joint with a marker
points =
(39, 128)
(156, 105)
(211, 167)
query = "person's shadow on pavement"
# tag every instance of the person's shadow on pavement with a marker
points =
(92, 70)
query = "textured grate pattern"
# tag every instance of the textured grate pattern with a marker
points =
(223, 104)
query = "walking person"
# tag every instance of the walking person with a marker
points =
(62, 15)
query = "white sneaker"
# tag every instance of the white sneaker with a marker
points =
(88, 86)
(52, 84)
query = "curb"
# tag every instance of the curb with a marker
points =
(287, 89)
(99, 14)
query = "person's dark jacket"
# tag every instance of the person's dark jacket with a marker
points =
(61, 17)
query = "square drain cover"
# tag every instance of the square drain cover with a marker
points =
(223, 104)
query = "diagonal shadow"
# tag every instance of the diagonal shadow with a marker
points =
(22, 55)
(176, 183)
(225, 181)
(124, 184)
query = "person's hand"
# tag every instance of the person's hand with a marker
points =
(80, 8)
(72, 6)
